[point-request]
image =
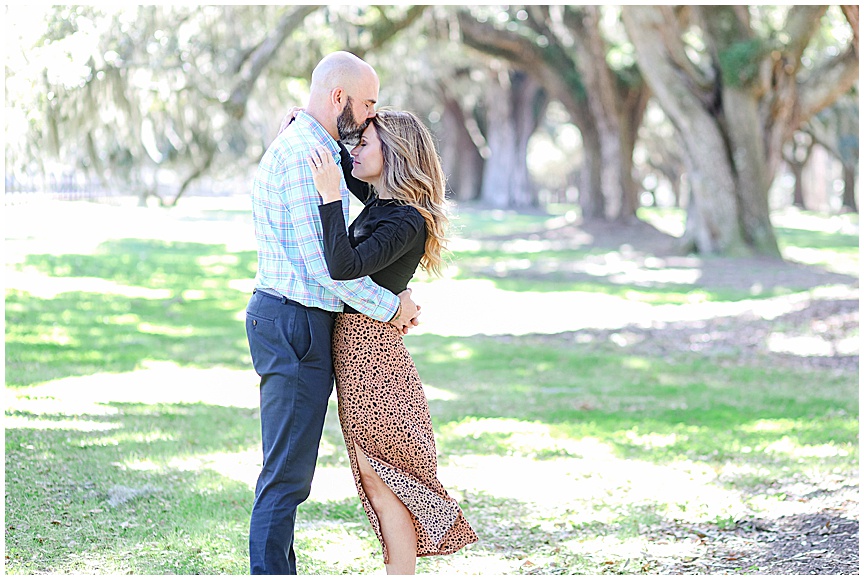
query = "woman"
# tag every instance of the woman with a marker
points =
(382, 408)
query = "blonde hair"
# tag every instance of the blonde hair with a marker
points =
(413, 176)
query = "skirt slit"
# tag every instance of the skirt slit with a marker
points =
(384, 412)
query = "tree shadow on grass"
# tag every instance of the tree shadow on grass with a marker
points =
(148, 263)
(69, 473)
(81, 332)
(668, 279)
(130, 432)
(820, 331)
(620, 259)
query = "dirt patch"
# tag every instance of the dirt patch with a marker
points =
(824, 542)
(821, 334)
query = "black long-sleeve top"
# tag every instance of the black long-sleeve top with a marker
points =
(384, 242)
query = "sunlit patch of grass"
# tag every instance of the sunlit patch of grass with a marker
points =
(653, 294)
(666, 219)
(536, 265)
(807, 237)
(147, 263)
(60, 516)
(830, 242)
(478, 223)
(655, 410)
(337, 547)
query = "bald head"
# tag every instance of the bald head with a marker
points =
(343, 94)
(341, 69)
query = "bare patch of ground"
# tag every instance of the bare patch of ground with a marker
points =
(821, 334)
(824, 541)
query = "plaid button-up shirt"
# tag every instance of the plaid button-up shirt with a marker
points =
(288, 228)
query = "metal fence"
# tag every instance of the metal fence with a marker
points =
(63, 187)
(71, 187)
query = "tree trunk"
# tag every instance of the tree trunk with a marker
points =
(460, 158)
(195, 174)
(592, 202)
(529, 102)
(851, 13)
(630, 119)
(750, 171)
(799, 149)
(798, 191)
(715, 226)
(572, 68)
(511, 120)
(735, 115)
(616, 111)
(849, 203)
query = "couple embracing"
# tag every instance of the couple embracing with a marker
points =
(333, 301)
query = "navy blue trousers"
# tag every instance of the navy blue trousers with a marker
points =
(290, 348)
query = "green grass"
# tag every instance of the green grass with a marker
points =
(79, 333)
(576, 414)
(473, 223)
(833, 241)
(650, 294)
(705, 410)
(59, 483)
(542, 269)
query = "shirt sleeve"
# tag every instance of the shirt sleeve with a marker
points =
(301, 200)
(359, 189)
(393, 236)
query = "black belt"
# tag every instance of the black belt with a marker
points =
(270, 293)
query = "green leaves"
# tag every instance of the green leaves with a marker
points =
(740, 61)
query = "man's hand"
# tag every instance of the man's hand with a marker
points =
(289, 116)
(408, 313)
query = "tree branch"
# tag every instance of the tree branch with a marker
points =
(261, 57)
(549, 64)
(802, 22)
(197, 172)
(385, 28)
(505, 44)
(671, 36)
(537, 18)
(828, 82)
(851, 13)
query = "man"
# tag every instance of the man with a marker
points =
(289, 319)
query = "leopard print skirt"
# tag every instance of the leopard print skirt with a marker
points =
(383, 410)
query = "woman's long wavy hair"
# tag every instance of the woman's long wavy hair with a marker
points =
(413, 176)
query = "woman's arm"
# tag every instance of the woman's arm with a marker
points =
(391, 239)
(393, 236)
(360, 189)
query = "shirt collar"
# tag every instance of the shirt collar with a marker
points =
(318, 130)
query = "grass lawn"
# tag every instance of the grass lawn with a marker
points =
(132, 435)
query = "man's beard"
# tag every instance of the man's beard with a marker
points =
(349, 129)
